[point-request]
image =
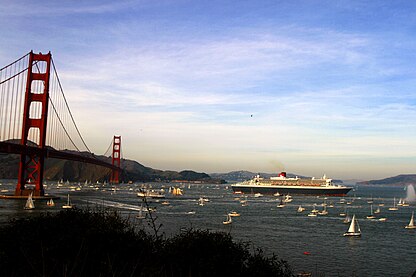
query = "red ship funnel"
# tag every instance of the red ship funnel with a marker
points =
(282, 174)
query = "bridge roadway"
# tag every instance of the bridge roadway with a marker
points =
(12, 148)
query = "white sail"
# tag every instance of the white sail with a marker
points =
(352, 225)
(300, 209)
(50, 203)
(412, 222)
(29, 203)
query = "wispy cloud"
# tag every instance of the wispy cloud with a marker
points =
(55, 9)
(213, 93)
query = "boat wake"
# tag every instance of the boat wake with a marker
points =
(113, 204)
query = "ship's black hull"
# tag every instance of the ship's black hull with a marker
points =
(282, 190)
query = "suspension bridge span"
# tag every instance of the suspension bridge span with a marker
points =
(37, 123)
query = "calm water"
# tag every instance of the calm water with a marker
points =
(385, 248)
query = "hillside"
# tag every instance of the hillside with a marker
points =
(402, 179)
(242, 175)
(79, 172)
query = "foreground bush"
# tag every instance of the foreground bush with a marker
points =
(86, 243)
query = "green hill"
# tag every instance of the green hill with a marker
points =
(56, 169)
(402, 179)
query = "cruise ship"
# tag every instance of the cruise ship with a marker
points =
(282, 185)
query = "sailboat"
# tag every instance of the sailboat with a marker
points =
(29, 203)
(244, 202)
(377, 211)
(394, 208)
(347, 219)
(288, 198)
(201, 201)
(323, 212)
(140, 215)
(68, 204)
(281, 204)
(344, 213)
(177, 191)
(233, 214)
(411, 224)
(371, 216)
(354, 230)
(50, 203)
(314, 211)
(228, 220)
(300, 209)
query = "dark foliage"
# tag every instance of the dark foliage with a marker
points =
(91, 243)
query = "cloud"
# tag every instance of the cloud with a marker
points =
(52, 8)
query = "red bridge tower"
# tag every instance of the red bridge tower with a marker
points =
(116, 159)
(32, 163)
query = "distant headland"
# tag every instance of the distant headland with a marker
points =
(75, 171)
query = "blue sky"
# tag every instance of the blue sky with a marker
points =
(330, 84)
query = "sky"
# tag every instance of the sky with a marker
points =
(308, 87)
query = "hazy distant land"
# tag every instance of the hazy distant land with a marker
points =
(399, 180)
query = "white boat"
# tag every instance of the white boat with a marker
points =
(68, 204)
(29, 202)
(400, 202)
(354, 230)
(201, 201)
(344, 213)
(151, 194)
(50, 203)
(382, 219)
(411, 224)
(301, 209)
(284, 185)
(394, 208)
(234, 214)
(381, 202)
(258, 195)
(229, 220)
(288, 198)
(377, 211)
(323, 212)
(314, 211)
(244, 202)
(371, 216)
(347, 219)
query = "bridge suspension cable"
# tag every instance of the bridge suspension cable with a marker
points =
(62, 131)
(30, 128)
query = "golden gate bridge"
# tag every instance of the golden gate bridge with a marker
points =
(36, 123)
